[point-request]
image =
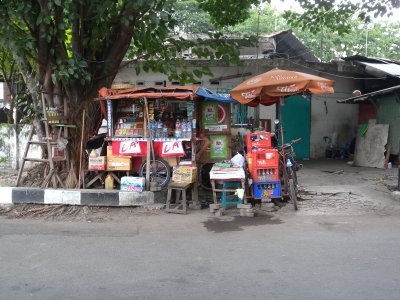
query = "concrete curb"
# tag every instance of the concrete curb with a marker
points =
(26, 195)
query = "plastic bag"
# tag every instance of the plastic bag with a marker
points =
(238, 160)
(62, 143)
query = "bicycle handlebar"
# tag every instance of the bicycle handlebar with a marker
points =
(290, 144)
(296, 141)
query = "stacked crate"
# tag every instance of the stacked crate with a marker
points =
(263, 162)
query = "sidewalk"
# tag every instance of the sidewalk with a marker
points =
(96, 197)
(332, 187)
(27, 195)
(327, 186)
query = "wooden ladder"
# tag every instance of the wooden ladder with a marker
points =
(52, 175)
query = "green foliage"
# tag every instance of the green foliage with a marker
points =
(381, 39)
(191, 19)
(227, 13)
(322, 15)
(79, 44)
(266, 20)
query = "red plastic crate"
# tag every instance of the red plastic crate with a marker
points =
(269, 158)
(257, 141)
(265, 174)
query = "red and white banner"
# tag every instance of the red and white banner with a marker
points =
(129, 148)
(138, 148)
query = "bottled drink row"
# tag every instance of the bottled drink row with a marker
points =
(183, 129)
(262, 174)
(268, 186)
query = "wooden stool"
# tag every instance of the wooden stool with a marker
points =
(180, 206)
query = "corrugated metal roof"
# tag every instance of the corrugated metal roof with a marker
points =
(361, 98)
(288, 44)
(379, 67)
(381, 70)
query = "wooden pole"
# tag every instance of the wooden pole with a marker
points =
(81, 150)
(148, 143)
(283, 154)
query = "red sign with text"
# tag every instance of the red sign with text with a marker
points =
(138, 148)
(128, 148)
(174, 148)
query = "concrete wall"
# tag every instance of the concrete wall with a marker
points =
(328, 118)
(128, 75)
(12, 146)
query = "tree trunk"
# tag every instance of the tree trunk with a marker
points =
(32, 87)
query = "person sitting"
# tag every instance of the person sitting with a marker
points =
(203, 144)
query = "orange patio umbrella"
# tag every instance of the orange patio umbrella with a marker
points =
(268, 88)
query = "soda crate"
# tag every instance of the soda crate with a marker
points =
(265, 174)
(259, 140)
(266, 189)
(269, 158)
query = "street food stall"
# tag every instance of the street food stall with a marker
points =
(148, 125)
(164, 126)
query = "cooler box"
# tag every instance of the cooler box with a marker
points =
(266, 189)
(132, 184)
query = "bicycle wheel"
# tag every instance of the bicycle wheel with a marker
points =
(292, 174)
(160, 171)
(292, 193)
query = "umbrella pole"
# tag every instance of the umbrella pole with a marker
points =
(285, 175)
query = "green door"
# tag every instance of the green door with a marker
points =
(296, 123)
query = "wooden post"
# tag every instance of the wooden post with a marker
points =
(283, 155)
(81, 151)
(66, 133)
(148, 145)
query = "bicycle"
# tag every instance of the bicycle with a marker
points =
(288, 168)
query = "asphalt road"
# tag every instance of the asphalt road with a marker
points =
(197, 256)
(343, 243)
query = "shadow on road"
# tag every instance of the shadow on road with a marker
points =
(220, 225)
